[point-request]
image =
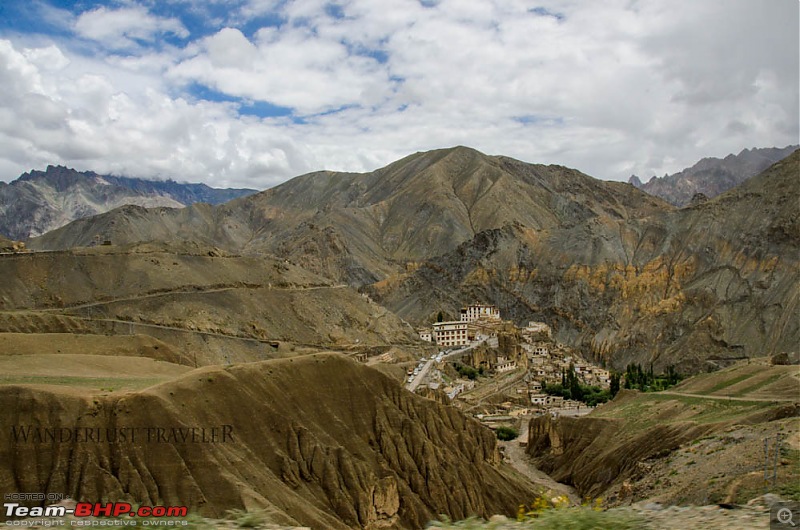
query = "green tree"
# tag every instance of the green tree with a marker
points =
(614, 384)
(506, 433)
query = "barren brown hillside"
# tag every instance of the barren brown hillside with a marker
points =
(210, 307)
(317, 440)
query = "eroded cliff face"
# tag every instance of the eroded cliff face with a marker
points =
(591, 454)
(318, 441)
(603, 453)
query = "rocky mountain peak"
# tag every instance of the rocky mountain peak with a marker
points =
(40, 201)
(713, 176)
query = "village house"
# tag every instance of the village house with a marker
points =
(482, 333)
(454, 390)
(602, 376)
(537, 361)
(426, 335)
(458, 386)
(555, 401)
(504, 364)
(539, 400)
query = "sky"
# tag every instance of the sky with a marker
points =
(249, 93)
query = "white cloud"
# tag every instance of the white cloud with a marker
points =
(295, 67)
(127, 27)
(610, 88)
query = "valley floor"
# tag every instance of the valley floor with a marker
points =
(515, 455)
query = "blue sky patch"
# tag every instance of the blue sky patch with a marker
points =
(260, 109)
(334, 11)
(204, 20)
(31, 17)
(375, 53)
(264, 109)
(270, 20)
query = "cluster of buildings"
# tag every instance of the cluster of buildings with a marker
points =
(530, 348)
(548, 366)
(476, 320)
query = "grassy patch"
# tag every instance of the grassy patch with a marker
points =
(791, 489)
(506, 433)
(752, 388)
(790, 492)
(728, 382)
(245, 519)
(710, 410)
(651, 409)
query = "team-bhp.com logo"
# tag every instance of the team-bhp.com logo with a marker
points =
(93, 509)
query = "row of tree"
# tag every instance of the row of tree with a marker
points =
(635, 377)
(646, 381)
(589, 394)
(571, 387)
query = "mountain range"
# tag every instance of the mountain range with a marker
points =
(40, 201)
(361, 228)
(618, 273)
(712, 176)
(282, 319)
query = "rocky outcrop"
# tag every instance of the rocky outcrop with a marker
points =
(6, 245)
(319, 441)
